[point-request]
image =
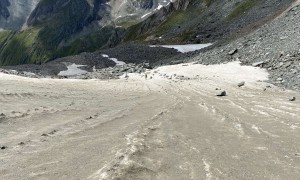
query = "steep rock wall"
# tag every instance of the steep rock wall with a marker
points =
(14, 13)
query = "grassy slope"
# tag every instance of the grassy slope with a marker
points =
(28, 47)
(175, 20)
(242, 8)
(17, 49)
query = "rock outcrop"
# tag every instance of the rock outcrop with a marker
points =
(14, 13)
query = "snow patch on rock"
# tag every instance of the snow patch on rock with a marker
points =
(185, 48)
(118, 63)
(73, 70)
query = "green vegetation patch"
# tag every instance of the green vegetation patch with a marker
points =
(176, 20)
(88, 43)
(4, 35)
(242, 8)
(16, 49)
(28, 46)
(208, 2)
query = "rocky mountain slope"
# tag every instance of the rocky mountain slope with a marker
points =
(196, 21)
(14, 13)
(275, 46)
(61, 28)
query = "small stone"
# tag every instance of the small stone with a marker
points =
(21, 143)
(221, 93)
(279, 79)
(292, 99)
(45, 135)
(241, 84)
(53, 132)
(258, 64)
(3, 147)
(281, 54)
(280, 65)
(232, 52)
(293, 71)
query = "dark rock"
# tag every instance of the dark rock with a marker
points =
(21, 143)
(232, 52)
(241, 84)
(53, 132)
(3, 147)
(221, 93)
(258, 64)
(292, 99)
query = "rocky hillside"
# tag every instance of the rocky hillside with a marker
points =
(202, 21)
(61, 28)
(14, 13)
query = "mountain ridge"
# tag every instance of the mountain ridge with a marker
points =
(71, 27)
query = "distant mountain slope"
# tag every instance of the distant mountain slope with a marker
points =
(14, 13)
(58, 28)
(201, 21)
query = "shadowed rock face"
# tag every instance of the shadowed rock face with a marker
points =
(14, 13)
(4, 13)
(86, 11)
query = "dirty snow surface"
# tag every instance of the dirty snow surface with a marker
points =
(115, 60)
(73, 70)
(168, 126)
(185, 48)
